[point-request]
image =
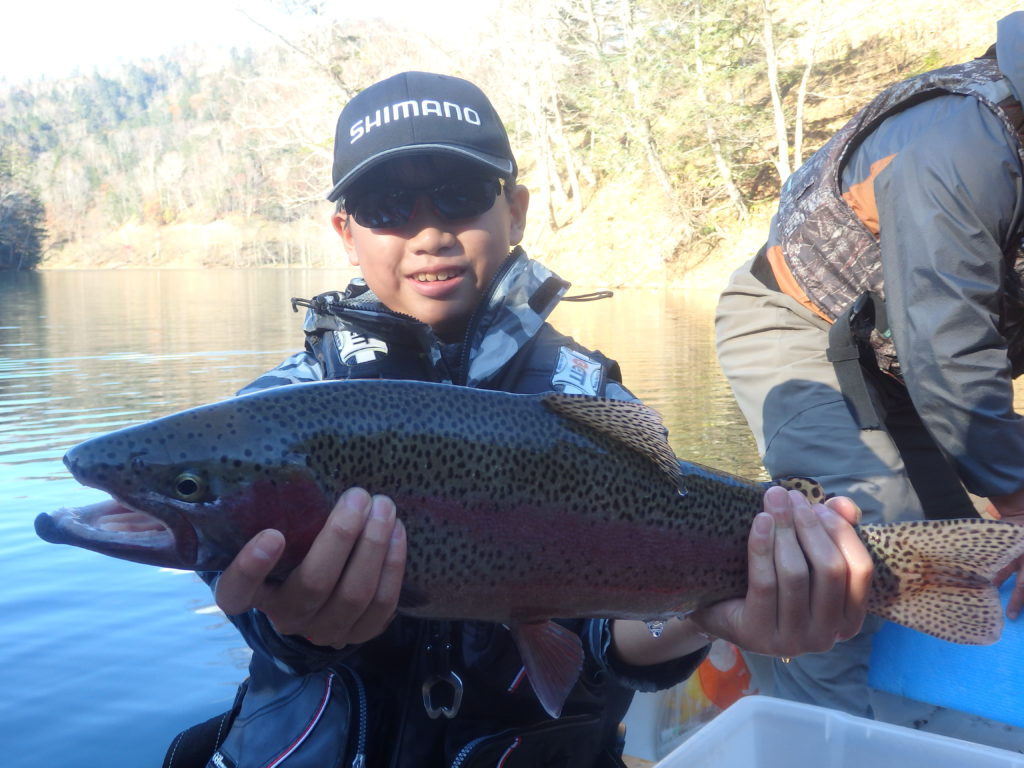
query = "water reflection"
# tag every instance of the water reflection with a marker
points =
(664, 343)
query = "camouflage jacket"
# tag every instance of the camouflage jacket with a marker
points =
(919, 199)
(828, 251)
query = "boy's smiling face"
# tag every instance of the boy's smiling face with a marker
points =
(432, 268)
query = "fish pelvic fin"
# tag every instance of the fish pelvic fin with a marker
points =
(937, 576)
(412, 597)
(553, 657)
(632, 423)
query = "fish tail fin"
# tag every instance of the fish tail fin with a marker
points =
(553, 657)
(937, 576)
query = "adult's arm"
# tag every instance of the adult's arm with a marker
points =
(948, 205)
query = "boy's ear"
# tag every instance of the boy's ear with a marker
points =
(519, 204)
(341, 225)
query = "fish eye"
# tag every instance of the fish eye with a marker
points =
(188, 486)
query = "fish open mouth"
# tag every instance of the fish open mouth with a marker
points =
(113, 528)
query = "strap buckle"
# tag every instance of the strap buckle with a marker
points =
(454, 682)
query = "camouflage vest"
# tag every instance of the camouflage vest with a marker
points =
(834, 257)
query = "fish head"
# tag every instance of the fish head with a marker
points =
(189, 490)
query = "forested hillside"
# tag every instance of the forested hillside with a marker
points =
(649, 131)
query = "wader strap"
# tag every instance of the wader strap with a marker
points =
(843, 351)
(844, 354)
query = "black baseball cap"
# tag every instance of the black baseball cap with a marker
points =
(416, 112)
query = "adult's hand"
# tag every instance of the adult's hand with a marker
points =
(809, 579)
(346, 588)
(1016, 600)
(1011, 509)
(1008, 506)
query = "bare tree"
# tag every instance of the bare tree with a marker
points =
(772, 60)
(810, 45)
(613, 39)
(640, 122)
(724, 171)
(538, 105)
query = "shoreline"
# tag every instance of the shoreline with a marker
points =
(636, 254)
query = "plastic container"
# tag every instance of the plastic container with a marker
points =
(657, 723)
(761, 732)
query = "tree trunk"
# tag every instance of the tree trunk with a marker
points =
(801, 94)
(771, 58)
(559, 138)
(640, 125)
(709, 124)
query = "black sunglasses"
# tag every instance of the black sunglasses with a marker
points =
(392, 208)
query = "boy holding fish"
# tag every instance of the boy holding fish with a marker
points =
(430, 212)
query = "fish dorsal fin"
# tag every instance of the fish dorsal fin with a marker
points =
(811, 489)
(633, 424)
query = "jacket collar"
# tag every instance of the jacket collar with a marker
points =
(515, 307)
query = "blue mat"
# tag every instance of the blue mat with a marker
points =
(982, 680)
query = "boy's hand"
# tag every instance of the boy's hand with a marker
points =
(346, 588)
(809, 579)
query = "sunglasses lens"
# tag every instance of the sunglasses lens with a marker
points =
(465, 199)
(382, 210)
(390, 209)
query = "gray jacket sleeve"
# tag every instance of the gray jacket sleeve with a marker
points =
(292, 654)
(653, 677)
(948, 205)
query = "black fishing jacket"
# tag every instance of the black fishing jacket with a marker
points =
(434, 693)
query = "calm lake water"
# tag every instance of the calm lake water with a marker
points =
(104, 661)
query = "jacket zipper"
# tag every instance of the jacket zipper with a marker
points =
(359, 760)
(321, 708)
(481, 310)
(427, 335)
(467, 750)
(439, 672)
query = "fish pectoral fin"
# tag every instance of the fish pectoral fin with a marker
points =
(937, 576)
(635, 425)
(553, 657)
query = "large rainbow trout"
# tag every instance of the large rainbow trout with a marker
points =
(518, 508)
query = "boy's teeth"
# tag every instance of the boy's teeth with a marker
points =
(433, 277)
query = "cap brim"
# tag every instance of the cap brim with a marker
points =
(503, 166)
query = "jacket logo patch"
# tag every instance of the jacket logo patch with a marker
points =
(576, 374)
(220, 760)
(354, 348)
